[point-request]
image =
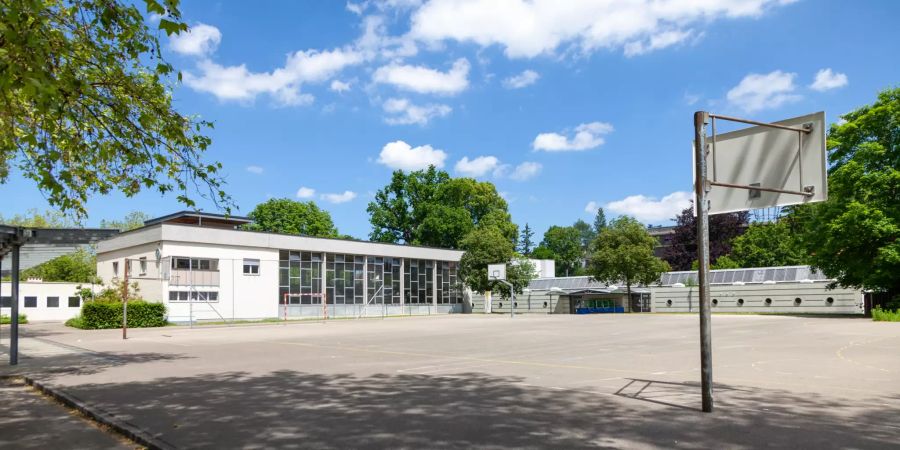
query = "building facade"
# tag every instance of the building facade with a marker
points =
(204, 268)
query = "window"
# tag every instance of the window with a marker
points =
(74, 302)
(115, 268)
(31, 302)
(143, 263)
(205, 264)
(5, 302)
(53, 302)
(251, 266)
(196, 296)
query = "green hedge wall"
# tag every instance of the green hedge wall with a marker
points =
(98, 315)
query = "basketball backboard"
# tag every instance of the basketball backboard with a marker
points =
(496, 272)
(789, 162)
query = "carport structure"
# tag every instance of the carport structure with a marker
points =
(584, 295)
(12, 241)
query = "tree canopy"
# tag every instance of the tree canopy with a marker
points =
(623, 253)
(854, 236)
(526, 244)
(132, 220)
(282, 215)
(428, 207)
(723, 229)
(586, 233)
(77, 267)
(86, 104)
(765, 244)
(488, 245)
(36, 219)
(564, 244)
(599, 220)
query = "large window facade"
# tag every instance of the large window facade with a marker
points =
(383, 280)
(300, 274)
(358, 279)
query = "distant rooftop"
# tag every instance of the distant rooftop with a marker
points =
(200, 218)
(785, 274)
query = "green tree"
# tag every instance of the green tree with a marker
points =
(565, 245)
(765, 245)
(586, 234)
(599, 221)
(541, 252)
(427, 207)
(488, 245)
(526, 245)
(282, 215)
(131, 221)
(36, 219)
(86, 104)
(854, 236)
(623, 253)
(77, 267)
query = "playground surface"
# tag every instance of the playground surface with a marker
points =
(560, 381)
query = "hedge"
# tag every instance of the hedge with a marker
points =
(98, 315)
(4, 320)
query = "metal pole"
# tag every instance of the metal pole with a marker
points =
(14, 308)
(701, 118)
(125, 303)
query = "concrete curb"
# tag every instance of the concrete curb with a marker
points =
(102, 417)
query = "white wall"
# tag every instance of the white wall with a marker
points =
(42, 290)
(813, 298)
(240, 296)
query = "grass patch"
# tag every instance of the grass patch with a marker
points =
(5, 320)
(75, 322)
(885, 315)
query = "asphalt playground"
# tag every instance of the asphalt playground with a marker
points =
(533, 381)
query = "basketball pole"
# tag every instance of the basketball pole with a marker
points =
(701, 187)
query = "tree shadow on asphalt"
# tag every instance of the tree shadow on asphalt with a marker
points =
(289, 409)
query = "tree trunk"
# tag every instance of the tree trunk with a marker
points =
(628, 289)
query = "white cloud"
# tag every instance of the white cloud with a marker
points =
(199, 40)
(649, 209)
(400, 155)
(305, 192)
(376, 41)
(402, 112)
(477, 167)
(344, 197)
(657, 42)
(339, 86)
(528, 28)
(526, 78)
(591, 207)
(424, 80)
(827, 80)
(587, 136)
(238, 83)
(255, 170)
(526, 170)
(757, 92)
(356, 8)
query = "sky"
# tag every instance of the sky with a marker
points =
(564, 106)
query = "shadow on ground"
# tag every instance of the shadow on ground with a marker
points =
(295, 409)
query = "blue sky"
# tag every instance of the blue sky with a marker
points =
(565, 106)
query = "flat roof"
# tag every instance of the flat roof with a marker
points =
(198, 216)
(175, 232)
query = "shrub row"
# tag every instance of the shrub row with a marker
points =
(99, 315)
(5, 320)
(885, 315)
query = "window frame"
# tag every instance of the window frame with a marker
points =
(251, 264)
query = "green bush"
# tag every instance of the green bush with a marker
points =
(885, 315)
(5, 320)
(100, 315)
